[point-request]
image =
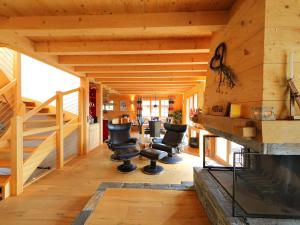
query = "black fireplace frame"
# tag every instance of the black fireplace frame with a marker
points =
(235, 205)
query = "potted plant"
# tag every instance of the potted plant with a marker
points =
(177, 115)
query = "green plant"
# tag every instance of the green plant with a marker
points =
(177, 115)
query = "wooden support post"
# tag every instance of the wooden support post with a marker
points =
(81, 120)
(18, 105)
(100, 110)
(16, 155)
(60, 131)
(84, 83)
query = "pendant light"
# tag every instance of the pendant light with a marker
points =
(155, 105)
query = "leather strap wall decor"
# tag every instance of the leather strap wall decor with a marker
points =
(226, 74)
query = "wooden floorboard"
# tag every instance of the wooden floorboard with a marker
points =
(148, 207)
(59, 197)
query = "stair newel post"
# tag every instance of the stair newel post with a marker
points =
(84, 84)
(16, 155)
(80, 121)
(60, 131)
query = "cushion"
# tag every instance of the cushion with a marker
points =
(153, 154)
(163, 147)
(126, 153)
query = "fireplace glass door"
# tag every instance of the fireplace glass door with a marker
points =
(267, 186)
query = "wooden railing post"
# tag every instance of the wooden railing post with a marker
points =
(60, 131)
(84, 83)
(16, 155)
(81, 121)
(100, 110)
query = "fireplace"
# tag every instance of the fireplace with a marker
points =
(256, 185)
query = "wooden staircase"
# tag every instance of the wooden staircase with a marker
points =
(39, 138)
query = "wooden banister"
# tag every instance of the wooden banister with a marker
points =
(38, 108)
(70, 91)
(8, 86)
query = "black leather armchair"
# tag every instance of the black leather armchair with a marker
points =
(120, 138)
(171, 143)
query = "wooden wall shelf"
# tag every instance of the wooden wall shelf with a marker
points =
(268, 132)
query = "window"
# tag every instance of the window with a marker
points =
(195, 101)
(164, 108)
(146, 108)
(191, 103)
(109, 106)
(155, 110)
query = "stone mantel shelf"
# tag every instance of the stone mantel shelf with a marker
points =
(281, 133)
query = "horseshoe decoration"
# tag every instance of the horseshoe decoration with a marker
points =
(226, 74)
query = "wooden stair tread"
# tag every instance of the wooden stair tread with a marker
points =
(32, 138)
(45, 114)
(44, 121)
(25, 149)
(5, 163)
(29, 149)
(41, 121)
(4, 179)
(32, 107)
(29, 103)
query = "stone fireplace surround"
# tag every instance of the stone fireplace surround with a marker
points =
(218, 203)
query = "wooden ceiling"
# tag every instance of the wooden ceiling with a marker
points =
(133, 47)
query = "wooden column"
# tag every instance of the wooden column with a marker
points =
(81, 121)
(60, 131)
(17, 75)
(84, 106)
(16, 155)
(99, 98)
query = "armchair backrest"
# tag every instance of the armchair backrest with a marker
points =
(174, 134)
(154, 128)
(119, 133)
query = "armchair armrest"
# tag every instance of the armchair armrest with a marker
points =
(157, 140)
(163, 147)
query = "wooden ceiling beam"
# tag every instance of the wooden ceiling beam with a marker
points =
(144, 75)
(157, 46)
(133, 60)
(117, 24)
(143, 69)
(150, 93)
(25, 46)
(159, 80)
(139, 86)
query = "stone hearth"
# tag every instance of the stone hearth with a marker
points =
(218, 203)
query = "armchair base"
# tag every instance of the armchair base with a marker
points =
(174, 159)
(126, 167)
(152, 169)
(114, 157)
(126, 155)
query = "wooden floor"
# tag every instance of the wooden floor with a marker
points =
(148, 207)
(59, 197)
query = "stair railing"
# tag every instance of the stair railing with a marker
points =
(7, 109)
(21, 171)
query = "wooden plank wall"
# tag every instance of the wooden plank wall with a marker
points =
(282, 35)
(244, 36)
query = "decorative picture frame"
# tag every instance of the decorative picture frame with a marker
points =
(123, 106)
